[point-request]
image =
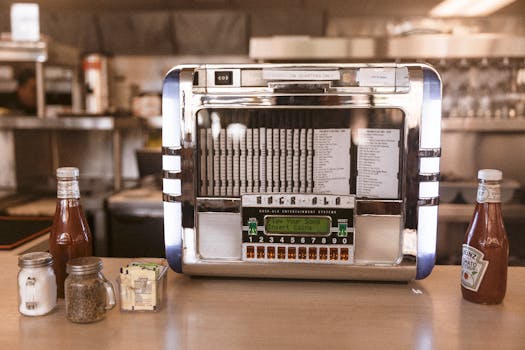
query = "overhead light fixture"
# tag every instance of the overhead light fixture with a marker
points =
(468, 8)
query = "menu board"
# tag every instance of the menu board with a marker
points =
(378, 163)
(331, 161)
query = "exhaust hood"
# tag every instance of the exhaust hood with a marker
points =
(311, 48)
(414, 46)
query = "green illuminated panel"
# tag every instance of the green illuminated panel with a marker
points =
(297, 225)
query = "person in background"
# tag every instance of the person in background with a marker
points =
(24, 99)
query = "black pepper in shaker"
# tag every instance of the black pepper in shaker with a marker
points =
(88, 293)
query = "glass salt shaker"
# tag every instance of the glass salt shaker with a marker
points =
(37, 289)
(88, 293)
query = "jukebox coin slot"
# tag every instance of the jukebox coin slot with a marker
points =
(223, 77)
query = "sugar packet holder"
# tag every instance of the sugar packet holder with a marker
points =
(143, 286)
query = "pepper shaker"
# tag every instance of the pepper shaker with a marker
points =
(88, 293)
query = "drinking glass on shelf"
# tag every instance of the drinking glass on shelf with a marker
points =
(484, 102)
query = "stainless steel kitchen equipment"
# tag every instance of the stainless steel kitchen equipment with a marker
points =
(325, 171)
(135, 223)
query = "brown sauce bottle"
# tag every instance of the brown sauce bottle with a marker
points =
(70, 235)
(485, 250)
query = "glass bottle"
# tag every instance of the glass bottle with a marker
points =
(37, 289)
(88, 293)
(485, 250)
(70, 235)
(483, 92)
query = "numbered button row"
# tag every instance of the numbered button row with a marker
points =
(289, 253)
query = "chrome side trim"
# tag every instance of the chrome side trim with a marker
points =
(427, 207)
(425, 202)
(429, 177)
(166, 197)
(171, 151)
(430, 152)
(171, 132)
(167, 174)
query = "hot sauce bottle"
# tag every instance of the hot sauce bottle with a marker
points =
(70, 235)
(485, 250)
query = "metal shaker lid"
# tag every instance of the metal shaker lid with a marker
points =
(35, 259)
(84, 265)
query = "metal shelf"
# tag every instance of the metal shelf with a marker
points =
(413, 46)
(455, 46)
(484, 125)
(298, 47)
(154, 123)
(449, 212)
(64, 123)
(14, 51)
(91, 123)
(39, 51)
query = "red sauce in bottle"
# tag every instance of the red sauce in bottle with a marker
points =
(485, 248)
(70, 235)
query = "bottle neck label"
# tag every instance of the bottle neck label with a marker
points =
(489, 193)
(68, 189)
(473, 267)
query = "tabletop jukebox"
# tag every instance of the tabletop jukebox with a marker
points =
(324, 171)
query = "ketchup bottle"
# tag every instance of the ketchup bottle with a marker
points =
(70, 235)
(485, 251)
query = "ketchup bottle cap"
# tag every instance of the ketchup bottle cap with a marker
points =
(490, 174)
(67, 172)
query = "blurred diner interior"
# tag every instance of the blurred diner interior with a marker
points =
(93, 78)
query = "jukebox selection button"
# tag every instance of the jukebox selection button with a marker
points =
(312, 253)
(342, 230)
(260, 252)
(281, 253)
(252, 227)
(334, 255)
(250, 252)
(344, 254)
(292, 253)
(302, 253)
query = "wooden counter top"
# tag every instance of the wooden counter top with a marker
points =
(211, 313)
